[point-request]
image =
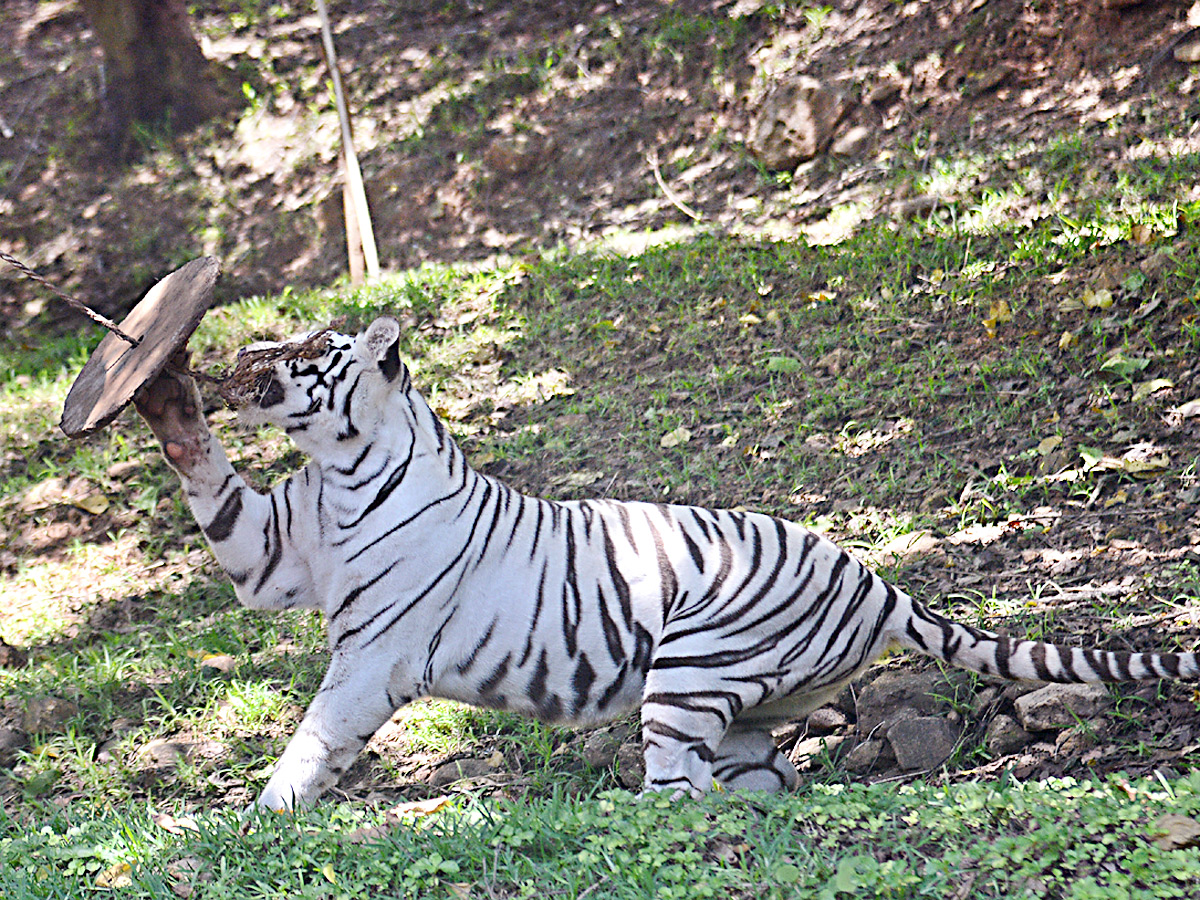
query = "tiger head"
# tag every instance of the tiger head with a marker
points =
(325, 388)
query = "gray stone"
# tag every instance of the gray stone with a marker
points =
(826, 719)
(871, 755)
(48, 714)
(1005, 736)
(631, 767)
(457, 770)
(897, 695)
(600, 749)
(796, 120)
(923, 743)
(161, 753)
(1060, 705)
(11, 741)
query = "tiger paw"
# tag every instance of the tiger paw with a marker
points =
(171, 407)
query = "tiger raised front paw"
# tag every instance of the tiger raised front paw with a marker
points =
(171, 407)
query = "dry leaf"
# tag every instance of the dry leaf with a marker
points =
(496, 760)
(1146, 388)
(459, 890)
(680, 435)
(577, 479)
(93, 503)
(1141, 233)
(419, 808)
(329, 873)
(1188, 410)
(1068, 339)
(117, 876)
(998, 314)
(1050, 444)
(170, 824)
(1176, 832)
(1101, 299)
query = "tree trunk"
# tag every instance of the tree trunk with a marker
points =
(155, 72)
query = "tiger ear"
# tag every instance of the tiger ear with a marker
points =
(381, 343)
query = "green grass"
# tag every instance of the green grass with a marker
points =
(870, 388)
(1000, 839)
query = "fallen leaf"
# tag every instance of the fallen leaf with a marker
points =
(1176, 831)
(1068, 339)
(1146, 388)
(93, 503)
(1123, 366)
(117, 876)
(496, 760)
(419, 808)
(998, 314)
(1101, 299)
(1120, 496)
(170, 824)
(680, 435)
(1092, 457)
(459, 890)
(329, 873)
(579, 479)
(1050, 444)
(750, 319)
(1188, 410)
(1141, 233)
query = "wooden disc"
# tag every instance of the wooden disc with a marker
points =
(162, 322)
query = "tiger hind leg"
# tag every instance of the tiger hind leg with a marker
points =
(748, 760)
(679, 742)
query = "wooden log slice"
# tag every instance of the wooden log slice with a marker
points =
(162, 322)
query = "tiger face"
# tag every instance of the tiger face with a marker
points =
(334, 395)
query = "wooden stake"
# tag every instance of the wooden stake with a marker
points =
(355, 193)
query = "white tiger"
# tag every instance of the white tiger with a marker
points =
(437, 580)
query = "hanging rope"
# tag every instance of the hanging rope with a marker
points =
(76, 305)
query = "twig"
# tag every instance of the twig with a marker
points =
(652, 158)
(76, 305)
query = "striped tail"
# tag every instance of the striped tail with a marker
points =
(993, 654)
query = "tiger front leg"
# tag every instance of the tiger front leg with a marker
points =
(353, 702)
(172, 408)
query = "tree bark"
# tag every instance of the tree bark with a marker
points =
(154, 70)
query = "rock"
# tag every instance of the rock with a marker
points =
(883, 702)
(884, 92)
(853, 143)
(871, 755)
(1005, 736)
(827, 719)
(11, 740)
(162, 753)
(457, 770)
(1074, 741)
(48, 714)
(923, 743)
(600, 749)
(12, 657)
(514, 154)
(806, 750)
(795, 121)
(1188, 51)
(631, 767)
(1060, 705)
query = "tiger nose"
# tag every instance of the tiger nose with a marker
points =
(272, 394)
